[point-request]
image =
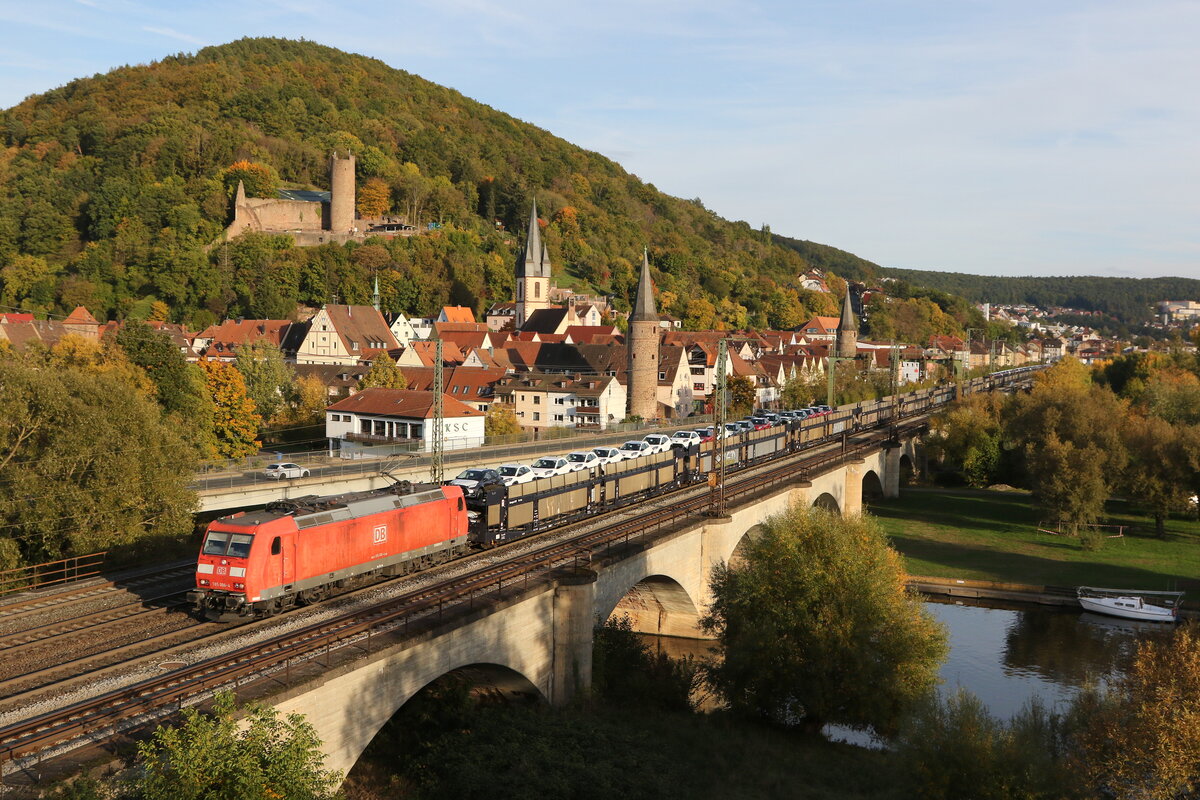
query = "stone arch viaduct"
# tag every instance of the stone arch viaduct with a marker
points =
(539, 641)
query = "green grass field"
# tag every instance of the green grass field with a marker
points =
(993, 536)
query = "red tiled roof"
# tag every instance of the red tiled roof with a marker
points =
(458, 314)
(585, 334)
(80, 316)
(465, 383)
(231, 333)
(427, 352)
(360, 328)
(406, 403)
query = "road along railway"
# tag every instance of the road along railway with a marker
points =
(580, 537)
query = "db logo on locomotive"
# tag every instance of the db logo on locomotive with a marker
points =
(380, 534)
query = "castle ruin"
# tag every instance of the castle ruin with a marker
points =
(309, 217)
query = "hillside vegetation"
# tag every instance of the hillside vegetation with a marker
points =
(1129, 300)
(114, 190)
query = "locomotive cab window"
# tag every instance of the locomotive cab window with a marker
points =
(276, 546)
(216, 543)
(460, 504)
(239, 545)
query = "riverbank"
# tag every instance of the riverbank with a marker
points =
(976, 535)
(604, 752)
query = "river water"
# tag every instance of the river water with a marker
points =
(1007, 653)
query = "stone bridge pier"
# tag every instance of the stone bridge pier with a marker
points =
(537, 642)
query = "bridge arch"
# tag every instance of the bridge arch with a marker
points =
(483, 681)
(827, 502)
(739, 550)
(657, 604)
(908, 469)
(872, 486)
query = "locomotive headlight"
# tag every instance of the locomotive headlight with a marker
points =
(239, 586)
(204, 581)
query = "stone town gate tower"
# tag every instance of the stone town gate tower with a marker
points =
(847, 332)
(643, 349)
(341, 195)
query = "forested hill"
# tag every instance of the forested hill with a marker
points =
(114, 189)
(1127, 299)
(828, 258)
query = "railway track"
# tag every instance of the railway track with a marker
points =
(33, 604)
(148, 700)
(486, 582)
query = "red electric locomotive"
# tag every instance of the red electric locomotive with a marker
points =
(295, 551)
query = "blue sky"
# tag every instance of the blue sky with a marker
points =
(991, 136)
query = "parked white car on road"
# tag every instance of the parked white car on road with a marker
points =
(284, 470)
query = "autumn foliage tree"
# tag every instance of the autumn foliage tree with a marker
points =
(1141, 738)
(374, 198)
(501, 420)
(1069, 432)
(235, 420)
(259, 180)
(814, 625)
(383, 374)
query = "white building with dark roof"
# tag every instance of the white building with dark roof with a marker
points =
(377, 421)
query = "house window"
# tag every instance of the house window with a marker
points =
(558, 417)
(537, 417)
(521, 414)
(697, 387)
(662, 376)
(558, 401)
(537, 399)
(537, 289)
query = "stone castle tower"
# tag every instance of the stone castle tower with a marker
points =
(642, 342)
(341, 194)
(533, 272)
(847, 332)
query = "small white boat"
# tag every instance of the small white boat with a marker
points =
(1130, 604)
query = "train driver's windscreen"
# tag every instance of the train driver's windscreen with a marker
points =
(239, 545)
(216, 543)
(234, 545)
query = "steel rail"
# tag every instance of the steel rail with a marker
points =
(89, 623)
(95, 714)
(38, 602)
(114, 707)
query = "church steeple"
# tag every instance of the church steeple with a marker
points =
(533, 272)
(535, 261)
(847, 333)
(643, 305)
